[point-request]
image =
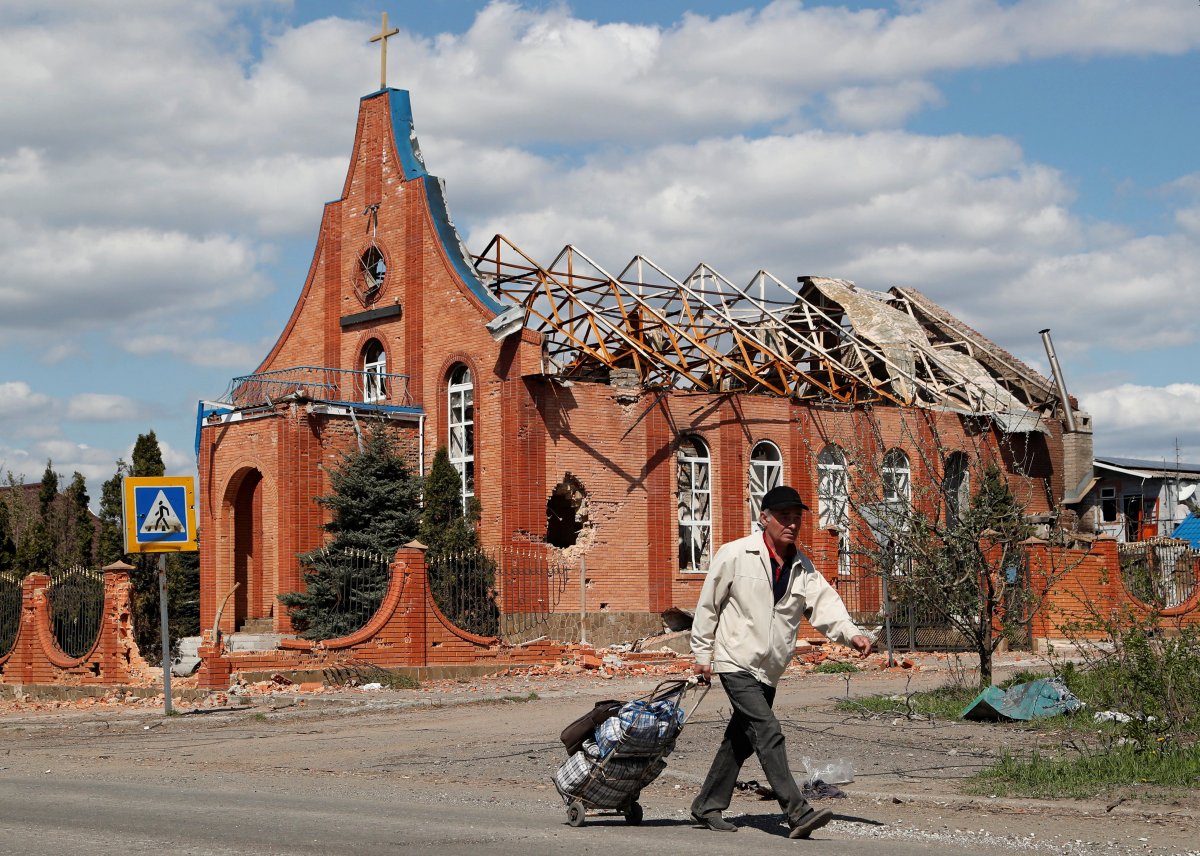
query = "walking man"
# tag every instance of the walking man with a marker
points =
(756, 592)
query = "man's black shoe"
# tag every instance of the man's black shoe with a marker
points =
(814, 820)
(714, 822)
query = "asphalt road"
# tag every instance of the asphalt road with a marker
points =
(466, 770)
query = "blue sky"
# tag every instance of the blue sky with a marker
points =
(1027, 164)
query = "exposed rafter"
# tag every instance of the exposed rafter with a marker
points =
(824, 339)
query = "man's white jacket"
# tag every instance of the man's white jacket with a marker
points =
(738, 627)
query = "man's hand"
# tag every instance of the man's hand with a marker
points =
(862, 644)
(703, 671)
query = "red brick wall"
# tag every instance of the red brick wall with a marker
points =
(36, 658)
(1086, 587)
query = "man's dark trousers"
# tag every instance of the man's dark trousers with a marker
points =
(753, 729)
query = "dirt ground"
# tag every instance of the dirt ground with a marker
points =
(498, 735)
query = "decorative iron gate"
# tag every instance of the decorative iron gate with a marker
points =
(76, 598)
(343, 591)
(498, 591)
(10, 611)
(912, 625)
(1160, 571)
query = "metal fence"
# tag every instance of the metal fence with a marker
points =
(322, 384)
(10, 611)
(912, 626)
(76, 599)
(497, 591)
(1160, 571)
(344, 589)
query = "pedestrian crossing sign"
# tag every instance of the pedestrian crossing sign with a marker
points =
(160, 514)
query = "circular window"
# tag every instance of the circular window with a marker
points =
(369, 275)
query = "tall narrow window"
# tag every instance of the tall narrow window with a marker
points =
(956, 486)
(766, 472)
(374, 371)
(695, 504)
(897, 504)
(461, 424)
(833, 501)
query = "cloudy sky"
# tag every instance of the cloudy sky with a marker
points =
(1026, 163)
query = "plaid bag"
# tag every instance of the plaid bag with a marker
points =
(612, 784)
(641, 728)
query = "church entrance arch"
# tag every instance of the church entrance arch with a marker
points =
(245, 501)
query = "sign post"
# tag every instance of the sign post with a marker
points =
(160, 517)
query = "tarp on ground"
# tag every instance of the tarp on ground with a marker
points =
(1038, 699)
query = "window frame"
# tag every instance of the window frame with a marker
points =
(694, 510)
(374, 383)
(460, 428)
(833, 500)
(770, 472)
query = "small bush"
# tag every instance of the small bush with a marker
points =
(833, 667)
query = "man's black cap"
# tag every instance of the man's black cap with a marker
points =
(782, 497)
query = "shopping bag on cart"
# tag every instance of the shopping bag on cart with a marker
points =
(641, 727)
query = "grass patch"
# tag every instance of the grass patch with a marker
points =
(832, 667)
(530, 697)
(1088, 776)
(942, 703)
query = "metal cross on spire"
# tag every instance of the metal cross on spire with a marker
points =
(382, 36)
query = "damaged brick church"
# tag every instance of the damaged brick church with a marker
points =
(631, 419)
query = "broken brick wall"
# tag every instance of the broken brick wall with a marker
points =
(1087, 588)
(36, 658)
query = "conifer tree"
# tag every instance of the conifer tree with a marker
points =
(461, 575)
(36, 547)
(111, 546)
(8, 546)
(375, 507)
(82, 532)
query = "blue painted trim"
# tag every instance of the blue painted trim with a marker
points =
(409, 152)
(203, 413)
(377, 408)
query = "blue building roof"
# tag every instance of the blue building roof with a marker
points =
(1144, 464)
(1189, 530)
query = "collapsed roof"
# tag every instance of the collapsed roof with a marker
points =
(823, 340)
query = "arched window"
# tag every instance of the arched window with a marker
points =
(897, 478)
(461, 424)
(833, 501)
(766, 472)
(374, 366)
(694, 482)
(956, 486)
(897, 503)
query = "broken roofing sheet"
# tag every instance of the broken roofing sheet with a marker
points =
(825, 340)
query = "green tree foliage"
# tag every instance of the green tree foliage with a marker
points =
(462, 577)
(966, 568)
(81, 536)
(375, 507)
(37, 545)
(111, 545)
(8, 545)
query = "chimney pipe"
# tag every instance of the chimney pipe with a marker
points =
(1056, 369)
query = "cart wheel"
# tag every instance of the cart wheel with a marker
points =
(575, 813)
(633, 813)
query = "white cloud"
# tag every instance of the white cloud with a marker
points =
(93, 276)
(102, 407)
(869, 107)
(17, 399)
(1147, 421)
